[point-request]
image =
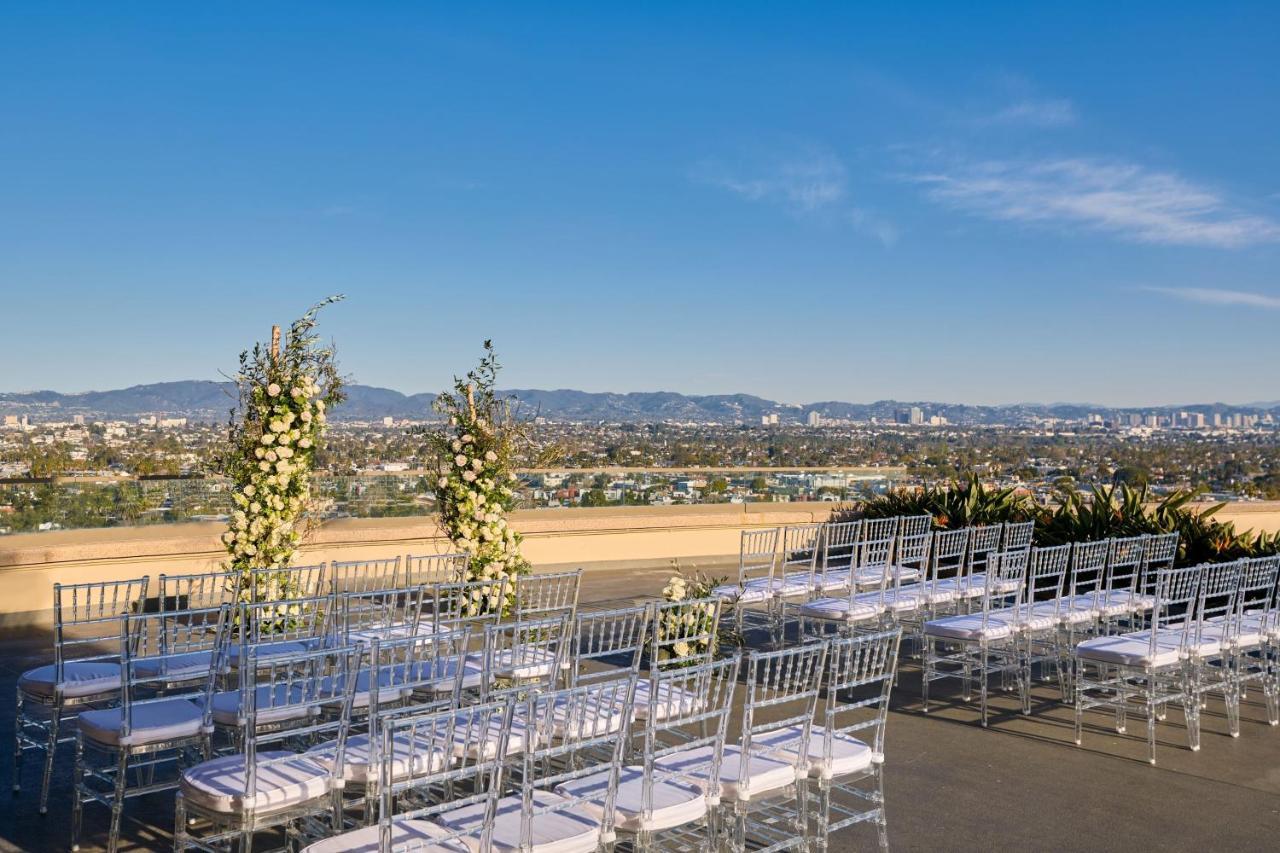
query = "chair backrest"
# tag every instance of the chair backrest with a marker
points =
(800, 546)
(687, 712)
(378, 613)
(462, 600)
(879, 528)
(984, 540)
(1124, 566)
(912, 552)
(86, 618)
(605, 641)
(781, 697)
(857, 680)
(839, 543)
(1218, 598)
(1159, 552)
(429, 667)
(873, 558)
(274, 584)
(683, 632)
(430, 569)
(554, 594)
(1017, 536)
(285, 621)
(1257, 598)
(197, 591)
(1047, 575)
(464, 766)
(948, 554)
(576, 732)
(757, 553)
(363, 575)
(1177, 590)
(1005, 584)
(1089, 567)
(302, 698)
(915, 525)
(524, 656)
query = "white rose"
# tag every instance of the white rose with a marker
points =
(442, 482)
(468, 476)
(467, 439)
(491, 456)
(273, 390)
(278, 426)
(264, 465)
(304, 443)
(249, 490)
(268, 438)
(460, 461)
(296, 392)
(456, 445)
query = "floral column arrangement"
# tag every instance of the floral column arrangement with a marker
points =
(274, 434)
(475, 449)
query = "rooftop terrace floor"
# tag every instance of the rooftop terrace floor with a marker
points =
(1021, 784)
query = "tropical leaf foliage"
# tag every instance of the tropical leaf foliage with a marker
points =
(1076, 516)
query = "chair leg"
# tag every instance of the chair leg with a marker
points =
(17, 744)
(77, 794)
(1272, 695)
(982, 685)
(882, 820)
(1151, 728)
(117, 802)
(51, 749)
(180, 835)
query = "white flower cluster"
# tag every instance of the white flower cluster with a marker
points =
(690, 624)
(273, 482)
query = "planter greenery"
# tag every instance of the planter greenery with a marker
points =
(1075, 516)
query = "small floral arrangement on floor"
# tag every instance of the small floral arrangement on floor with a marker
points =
(688, 626)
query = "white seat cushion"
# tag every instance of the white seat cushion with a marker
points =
(1043, 616)
(175, 667)
(831, 579)
(1248, 631)
(411, 758)
(959, 588)
(219, 784)
(422, 835)
(523, 663)
(517, 739)
(841, 610)
(567, 831)
(753, 591)
(1134, 649)
(79, 679)
(152, 722)
(894, 600)
(793, 584)
(970, 627)
(226, 706)
(673, 803)
(848, 754)
(266, 650)
(671, 701)
(1117, 602)
(763, 773)
(874, 574)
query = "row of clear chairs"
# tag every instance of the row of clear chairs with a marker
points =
(580, 767)
(87, 670)
(1035, 605)
(195, 679)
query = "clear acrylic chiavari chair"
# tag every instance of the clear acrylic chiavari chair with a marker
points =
(431, 569)
(860, 606)
(161, 722)
(1125, 599)
(197, 591)
(85, 673)
(757, 558)
(541, 596)
(279, 583)
(608, 641)
(846, 745)
(837, 555)
(1216, 634)
(454, 764)
(978, 645)
(383, 614)
(363, 575)
(1147, 669)
(225, 801)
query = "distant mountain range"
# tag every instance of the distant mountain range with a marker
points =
(209, 401)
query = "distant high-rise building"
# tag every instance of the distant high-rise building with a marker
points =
(78, 420)
(814, 419)
(769, 420)
(388, 421)
(1151, 421)
(917, 415)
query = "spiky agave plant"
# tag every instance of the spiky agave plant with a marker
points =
(955, 504)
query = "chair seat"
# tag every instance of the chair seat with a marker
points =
(518, 737)
(970, 627)
(825, 581)
(793, 584)
(841, 610)
(848, 754)
(865, 575)
(974, 585)
(566, 831)
(671, 701)
(894, 600)
(218, 785)
(79, 679)
(270, 706)
(1117, 602)
(959, 588)
(1044, 616)
(523, 663)
(266, 650)
(418, 835)
(674, 803)
(181, 667)
(363, 694)
(1080, 608)
(152, 722)
(751, 592)
(1134, 649)
(412, 757)
(1249, 631)
(763, 773)
(594, 719)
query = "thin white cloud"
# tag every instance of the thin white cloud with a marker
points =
(804, 183)
(1123, 199)
(1035, 112)
(1212, 296)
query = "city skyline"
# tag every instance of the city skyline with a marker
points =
(988, 206)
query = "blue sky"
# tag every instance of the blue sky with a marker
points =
(985, 203)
